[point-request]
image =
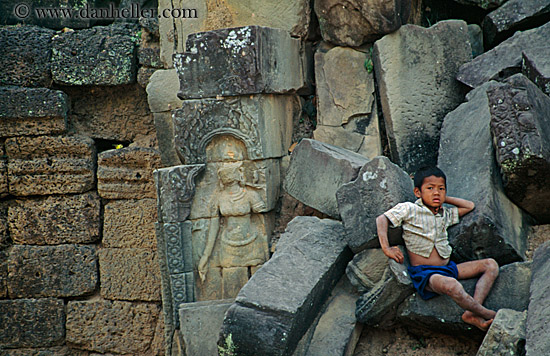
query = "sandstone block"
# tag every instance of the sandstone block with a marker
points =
(262, 122)
(496, 228)
(127, 173)
(111, 327)
(3, 274)
(521, 137)
(162, 91)
(130, 223)
(367, 144)
(266, 318)
(31, 322)
(112, 113)
(334, 166)
(415, 68)
(441, 314)
(51, 351)
(536, 66)
(55, 220)
(3, 179)
(102, 55)
(379, 186)
(239, 61)
(48, 271)
(200, 324)
(289, 15)
(25, 55)
(538, 342)
(165, 137)
(50, 165)
(29, 111)
(512, 16)
(367, 269)
(129, 274)
(353, 23)
(504, 59)
(506, 336)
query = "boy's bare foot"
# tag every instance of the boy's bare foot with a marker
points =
(477, 321)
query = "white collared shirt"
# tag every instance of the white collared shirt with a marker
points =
(422, 229)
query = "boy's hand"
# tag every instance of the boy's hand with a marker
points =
(394, 253)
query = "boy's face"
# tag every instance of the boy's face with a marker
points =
(432, 192)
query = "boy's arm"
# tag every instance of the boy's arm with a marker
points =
(382, 224)
(464, 206)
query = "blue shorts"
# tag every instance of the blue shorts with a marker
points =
(420, 276)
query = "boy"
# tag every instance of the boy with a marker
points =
(425, 224)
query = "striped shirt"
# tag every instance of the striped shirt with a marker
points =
(422, 230)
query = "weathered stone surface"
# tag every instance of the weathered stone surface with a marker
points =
(111, 327)
(239, 61)
(50, 165)
(3, 274)
(367, 269)
(441, 314)
(130, 223)
(127, 173)
(111, 113)
(506, 336)
(521, 136)
(367, 144)
(536, 66)
(129, 274)
(504, 59)
(289, 15)
(538, 342)
(3, 182)
(496, 228)
(512, 16)
(333, 166)
(165, 137)
(379, 186)
(378, 306)
(162, 91)
(200, 324)
(266, 318)
(28, 111)
(55, 220)
(484, 4)
(48, 271)
(144, 75)
(31, 322)
(102, 55)
(353, 23)
(25, 53)
(51, 351)
(476, 39)
(262, 122)
(149, 57)
(415, 68)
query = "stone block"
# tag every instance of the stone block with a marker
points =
(538, 342)
(289, 15)
(476, 39)
(521, 137)
(415, 68)
(50, 165)
(316, 172)
(25, 55)
(3, 274)
(55, 220)
(51, 271)
(441, 314)
(536, 66)
(102, 55)
(117, 113)
(367, 144)
(51, 351)
(127, 173)
(367, 269)
(511, 16)
(503, 60)
(200, 324)
(496, 227)
(162, 91)
(29, 111)
(506, 336)
(484, 4)
(129, 274)
(130, 223)
(31, 322)
(149, 57)
(266, 317)
(239, 61)
(262, 122)
(111, 327)
(144, 75)
(3, 178)
(165, 137)
(379, 186)
(353, 23)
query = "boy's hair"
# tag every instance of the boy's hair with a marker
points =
(425, 172)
